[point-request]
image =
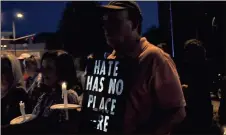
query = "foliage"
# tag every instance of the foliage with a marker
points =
(80, 29)
(153, 35)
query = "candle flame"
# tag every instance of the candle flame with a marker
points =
(64, 85)
(21, 103)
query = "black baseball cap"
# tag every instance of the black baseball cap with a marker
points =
(122, 5)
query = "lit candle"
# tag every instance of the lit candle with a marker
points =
(64, 91)
(224, 130)
(64, 94)
(22, 109)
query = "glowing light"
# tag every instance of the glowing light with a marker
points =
(19, 15)
(224, 130)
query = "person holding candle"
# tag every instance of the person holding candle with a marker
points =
(12, 89)
(56, 67)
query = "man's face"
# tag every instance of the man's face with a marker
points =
(49, 72)
(117, 28)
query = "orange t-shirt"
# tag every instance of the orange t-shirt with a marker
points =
(156, 84)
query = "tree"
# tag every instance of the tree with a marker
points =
(153, 35)
(80, 28)
(51, 39)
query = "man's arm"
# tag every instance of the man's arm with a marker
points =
(169, 96)
(168, 120)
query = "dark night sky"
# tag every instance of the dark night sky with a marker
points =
(44, 16)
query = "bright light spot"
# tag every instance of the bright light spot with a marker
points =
(19, 15)
(3, 46)
(224, 128)
(219, 74)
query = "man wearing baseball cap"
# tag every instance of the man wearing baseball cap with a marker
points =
(156, 101)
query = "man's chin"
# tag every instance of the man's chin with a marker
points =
(110, 43)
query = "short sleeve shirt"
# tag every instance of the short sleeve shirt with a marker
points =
(156, 85)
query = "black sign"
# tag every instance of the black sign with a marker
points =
(106, 89)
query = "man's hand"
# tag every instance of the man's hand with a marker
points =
(170, 118)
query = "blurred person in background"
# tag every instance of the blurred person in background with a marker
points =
(32, 70)
(195, 82)
(21, 58)
(222, 108)
(12, 89)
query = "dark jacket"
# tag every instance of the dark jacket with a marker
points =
(10, 108)
(199, 107)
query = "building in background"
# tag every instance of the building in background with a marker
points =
(6, 35)
(21, 45)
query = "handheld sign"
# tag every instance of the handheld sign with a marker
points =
(104, 96)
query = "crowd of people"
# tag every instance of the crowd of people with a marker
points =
(162, 99)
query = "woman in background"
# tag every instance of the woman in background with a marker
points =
(32, 70)
(12, 89)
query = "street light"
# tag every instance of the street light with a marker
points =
(18, 15)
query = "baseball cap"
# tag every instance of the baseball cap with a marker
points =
(24, 56)
(123, 5)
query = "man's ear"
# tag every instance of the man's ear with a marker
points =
(130, 23)
(135, 25)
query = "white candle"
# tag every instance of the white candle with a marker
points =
(64, 91)
(64, 94)
(22, 109)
